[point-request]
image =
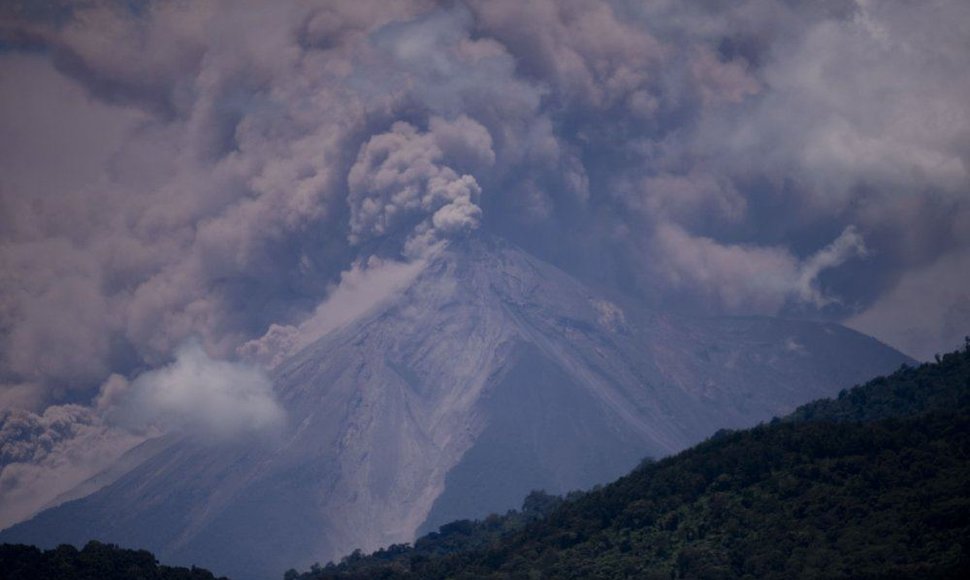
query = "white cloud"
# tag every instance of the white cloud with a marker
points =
(44, 456)
(207, 397)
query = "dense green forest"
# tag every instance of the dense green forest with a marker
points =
(872, 484)
(96, 561)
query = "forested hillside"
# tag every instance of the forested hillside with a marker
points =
(875, 483)
(96, 561)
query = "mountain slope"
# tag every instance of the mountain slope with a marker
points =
(874, 484)
(491, 374)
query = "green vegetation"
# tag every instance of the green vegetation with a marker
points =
(941, 386)
(96, 561)
(873, 484)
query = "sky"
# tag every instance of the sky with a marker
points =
(188, 189)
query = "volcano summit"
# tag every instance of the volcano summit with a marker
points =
(490, 374)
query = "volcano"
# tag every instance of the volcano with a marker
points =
(490, 374)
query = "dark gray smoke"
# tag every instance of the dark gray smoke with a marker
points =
(172, 170)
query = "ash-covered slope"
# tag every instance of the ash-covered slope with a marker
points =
(492, 374)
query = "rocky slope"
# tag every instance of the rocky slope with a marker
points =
(491, 374)
(872, 484)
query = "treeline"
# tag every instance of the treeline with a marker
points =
(939, 386)
(96, 561)
(872, 484)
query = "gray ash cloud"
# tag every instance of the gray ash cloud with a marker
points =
(211, 169)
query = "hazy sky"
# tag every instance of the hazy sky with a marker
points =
(175, 169)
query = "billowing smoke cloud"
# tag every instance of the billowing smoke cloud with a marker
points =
(400, 174)
(362, 288)
(226, 169)
(742, 278)
(216, 399)
(43, 456)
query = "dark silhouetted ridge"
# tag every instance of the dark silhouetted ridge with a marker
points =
(96, 561)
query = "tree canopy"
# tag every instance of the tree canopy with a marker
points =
(872, 484)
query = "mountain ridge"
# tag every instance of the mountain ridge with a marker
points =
(872, 483)
(393, 414)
